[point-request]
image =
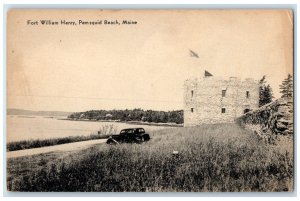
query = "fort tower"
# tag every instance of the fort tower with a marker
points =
(215, 100)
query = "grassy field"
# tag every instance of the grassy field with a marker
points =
(221, 157)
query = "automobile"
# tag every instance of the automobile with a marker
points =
(129, 135)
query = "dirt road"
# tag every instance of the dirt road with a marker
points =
(63, 147)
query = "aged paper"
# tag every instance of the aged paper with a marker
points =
(184, 76)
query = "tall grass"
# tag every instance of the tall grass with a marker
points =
(220, 157)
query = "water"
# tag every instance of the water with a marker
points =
(39, 127)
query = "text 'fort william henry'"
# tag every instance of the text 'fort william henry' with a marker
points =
(81, 22)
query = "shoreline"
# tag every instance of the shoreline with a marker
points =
(52, 141)
(127, 122)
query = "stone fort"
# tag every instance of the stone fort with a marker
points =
(214, 100)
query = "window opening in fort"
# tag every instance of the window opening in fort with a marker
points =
(223, 110)
(192, 93)
(223, 93)
(247, 94)
(192, 109)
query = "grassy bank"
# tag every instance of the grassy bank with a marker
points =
(220, 157)
(30, 144)
(103, 132)
(154, 124)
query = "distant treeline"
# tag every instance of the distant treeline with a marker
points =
(131, 115)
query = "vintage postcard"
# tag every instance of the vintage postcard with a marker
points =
(149, 100)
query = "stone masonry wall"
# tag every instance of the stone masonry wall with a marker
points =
(275, 118)
(203, 100)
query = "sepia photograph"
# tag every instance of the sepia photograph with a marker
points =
(177, 100)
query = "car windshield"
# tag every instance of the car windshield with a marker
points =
(126, 131)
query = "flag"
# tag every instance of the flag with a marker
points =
(207, 74)
(193, 54)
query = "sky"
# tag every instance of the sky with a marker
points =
(143, 65)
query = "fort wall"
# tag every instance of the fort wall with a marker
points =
(270, 120)
(213, 100)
